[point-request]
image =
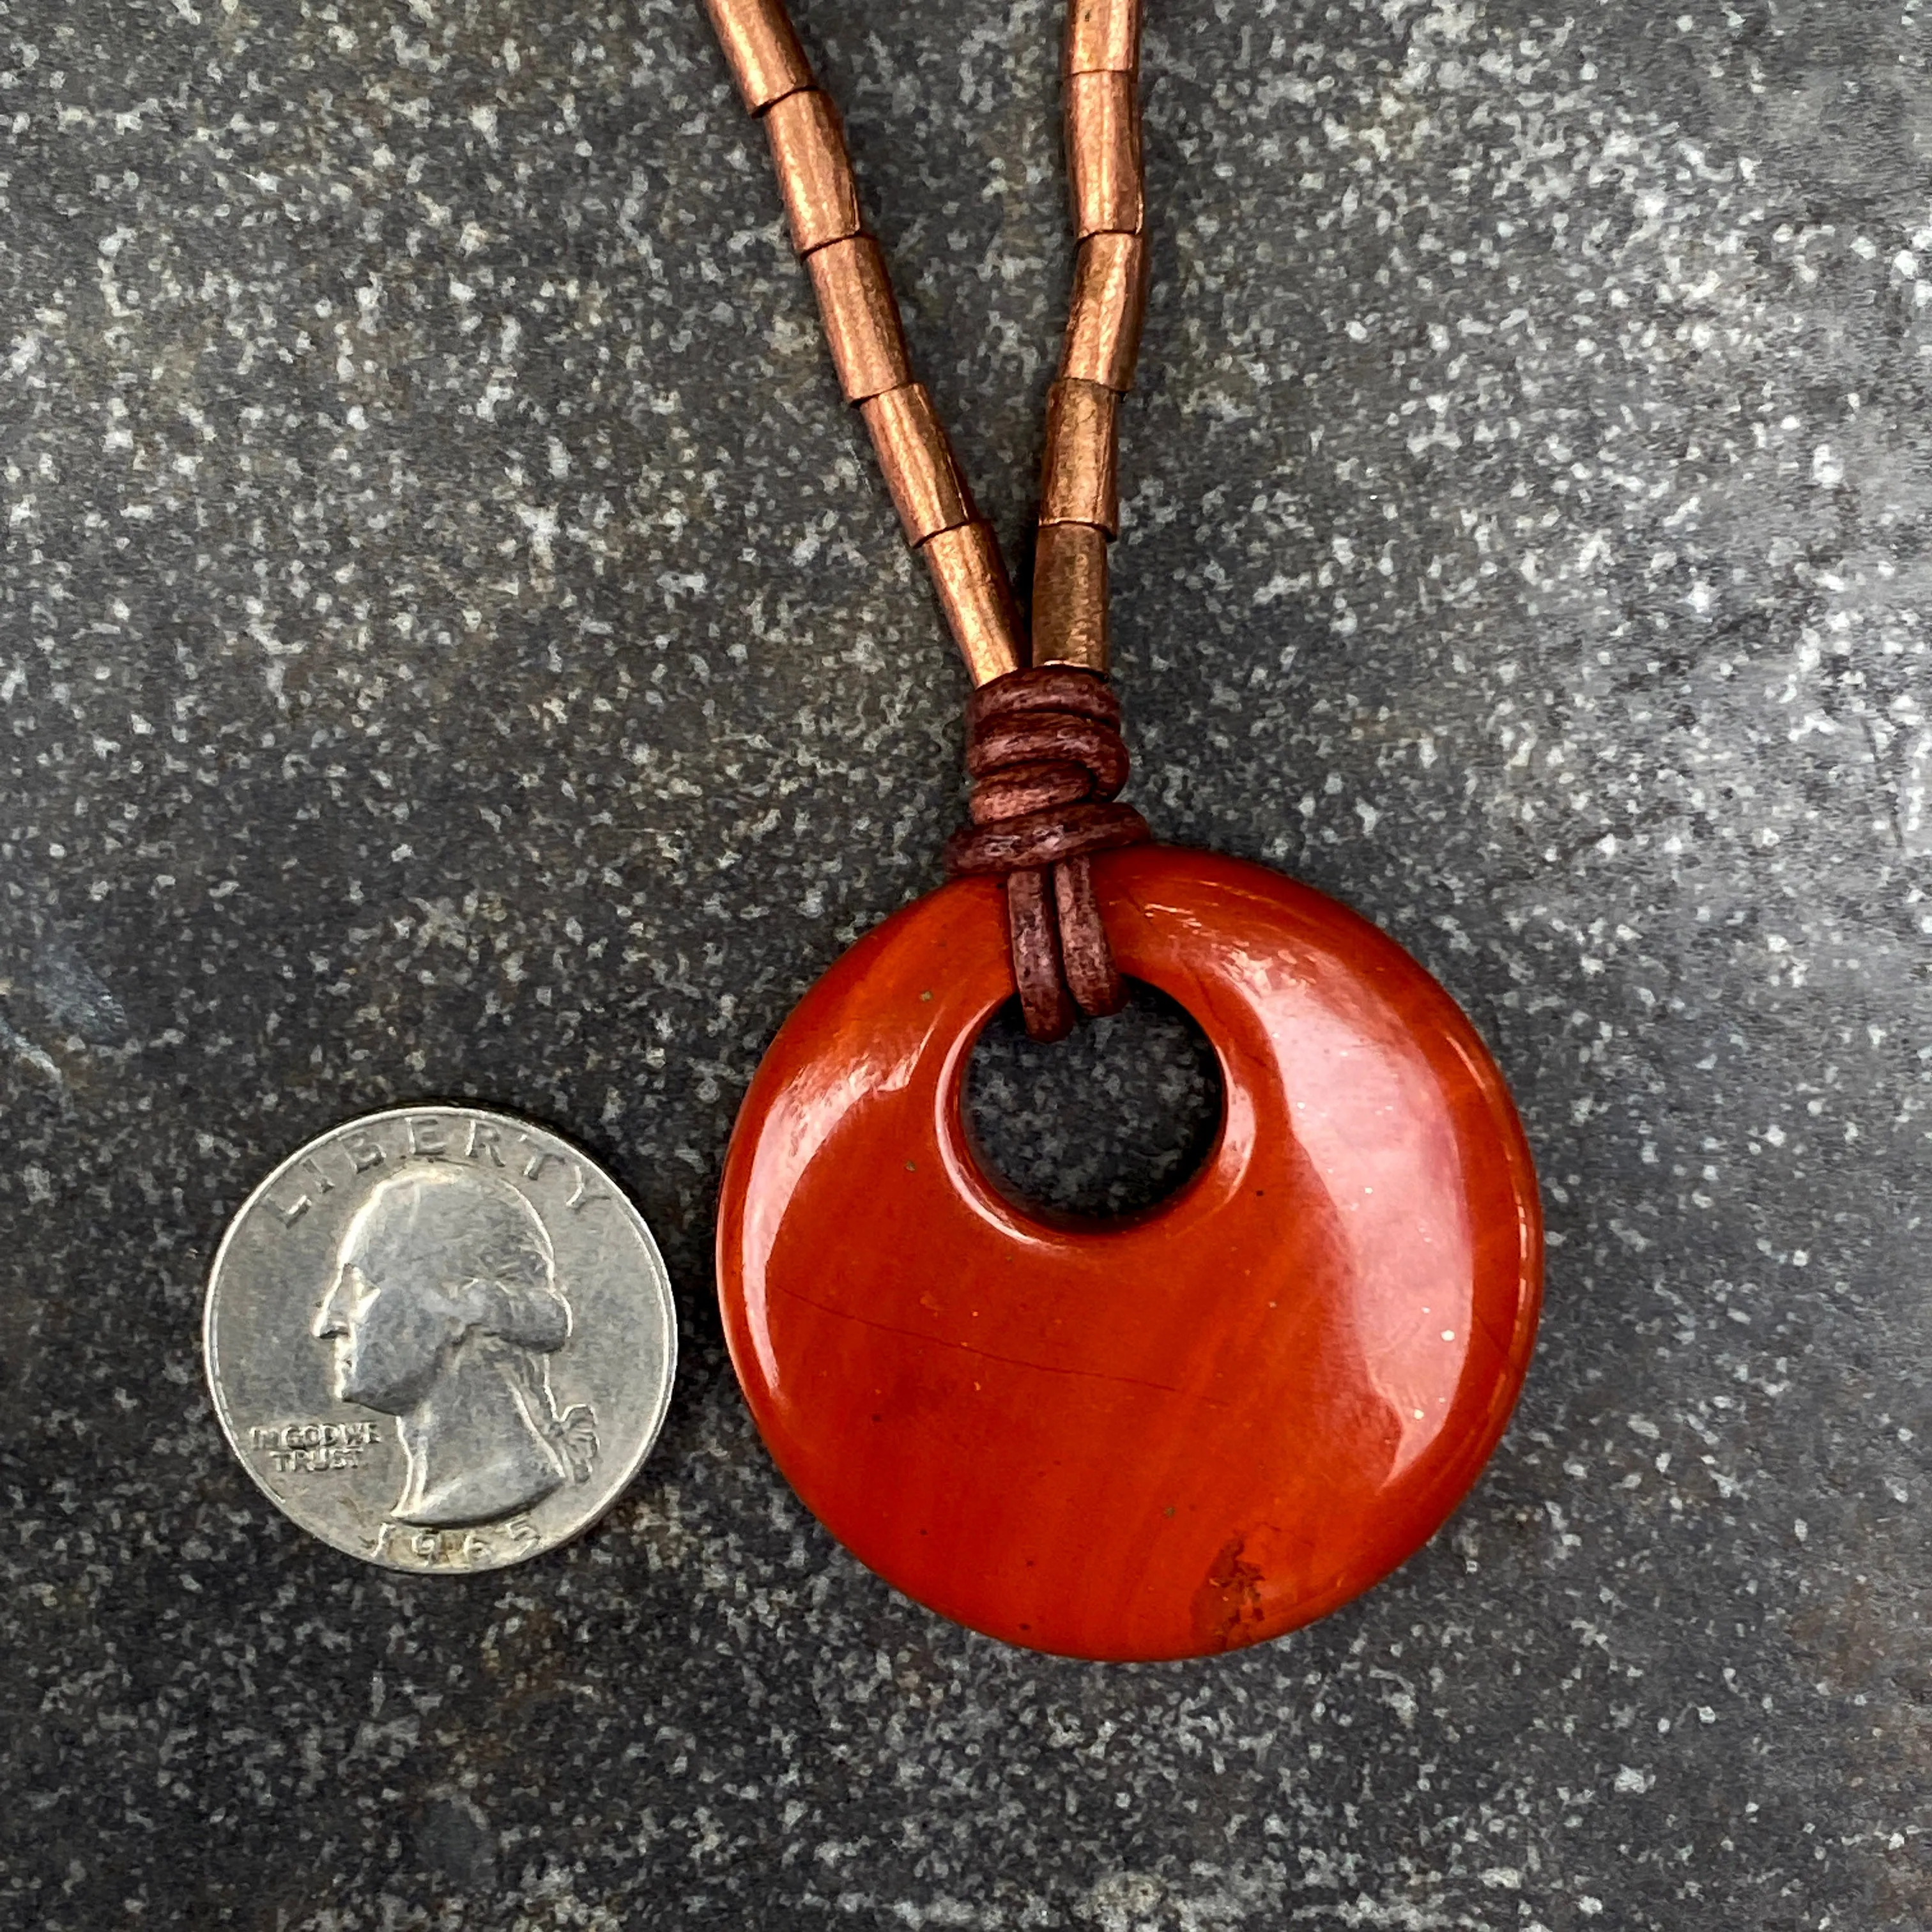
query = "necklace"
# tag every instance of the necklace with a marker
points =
(1198, 1427)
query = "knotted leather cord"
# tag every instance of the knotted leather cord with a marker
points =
(1044, 747)
(1043, 741)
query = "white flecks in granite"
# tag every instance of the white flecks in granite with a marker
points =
(454, 642)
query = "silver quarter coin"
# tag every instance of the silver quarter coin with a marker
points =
(440, 1339)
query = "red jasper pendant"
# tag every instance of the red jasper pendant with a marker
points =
(1168, 1435)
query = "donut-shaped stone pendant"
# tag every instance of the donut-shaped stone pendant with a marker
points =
(1166, 1435)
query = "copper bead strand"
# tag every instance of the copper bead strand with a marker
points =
(1079, 508)
(1079, 492)
(1044, 743)
(862, 327)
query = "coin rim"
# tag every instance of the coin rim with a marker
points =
(458, 1108)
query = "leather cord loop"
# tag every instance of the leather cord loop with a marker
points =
(1050, 737)
(1048, 838)
(1044, 748)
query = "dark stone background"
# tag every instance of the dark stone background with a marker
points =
(454, 644)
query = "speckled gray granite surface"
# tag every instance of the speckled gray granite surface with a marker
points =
(454, 644)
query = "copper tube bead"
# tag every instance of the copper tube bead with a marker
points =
(1103, 153)
(809, 152)
(1070, 596)
(1079, 478)
(1103, 324)
(1103, 36)
(861, 320)
(761, 49)
(971, 581)
(916, 460)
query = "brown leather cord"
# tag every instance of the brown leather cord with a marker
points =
(1047, 738)
(1034, 935)
(1044, 748)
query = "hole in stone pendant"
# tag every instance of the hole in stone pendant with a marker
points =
(1109, 1121)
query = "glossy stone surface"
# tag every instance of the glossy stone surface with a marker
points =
(1176, 1434)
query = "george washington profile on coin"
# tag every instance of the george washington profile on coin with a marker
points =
(444, 1311)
